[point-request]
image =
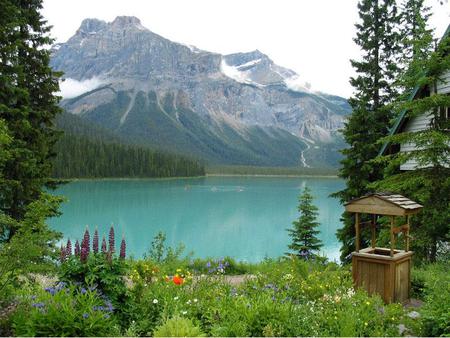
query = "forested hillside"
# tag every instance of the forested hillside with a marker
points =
(86, 150)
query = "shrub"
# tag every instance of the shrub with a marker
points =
(65, 311)
(97, 271)
(227, 266)
(435, 313)
(178, 327)
(104, 269)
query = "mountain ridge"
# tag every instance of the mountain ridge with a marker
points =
(177, 97)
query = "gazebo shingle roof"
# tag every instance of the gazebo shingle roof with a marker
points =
(388, 204)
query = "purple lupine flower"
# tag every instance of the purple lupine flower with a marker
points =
(109, 306)
(62, 254)
(68, 248)
(38, 305)
(77, 248)
(95, 241)
(123, 247)
(51, 291)
(85, 315)
(208, 264)
(83, 291)
(60, 286)
(86, 240)
(84, 254)
(104, 245)
(111, 240)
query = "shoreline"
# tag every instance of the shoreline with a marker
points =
(68, 180)
(271, 175)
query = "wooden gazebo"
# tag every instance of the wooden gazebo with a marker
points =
(385, 271)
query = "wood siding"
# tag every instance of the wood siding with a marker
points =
(390, 277)
(422, 122)
(444, 86)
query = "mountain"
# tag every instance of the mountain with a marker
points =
(234, 109)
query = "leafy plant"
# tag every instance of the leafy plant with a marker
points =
(178, 327)
(435, 312)
(65, 311)
(103, 270)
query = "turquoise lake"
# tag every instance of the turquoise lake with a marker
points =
(242, 217)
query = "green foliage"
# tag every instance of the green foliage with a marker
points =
(374, 88)
(27, 107)
(31, 250)
(83, 157)
(429, 183)
(156, 251)
(99, 271)
(178, 327)
(159, 252)
(305, 243)
(226, 266)
(288, 297)
(432, 284)
(64, 311)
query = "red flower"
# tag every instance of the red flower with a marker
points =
(178, 280)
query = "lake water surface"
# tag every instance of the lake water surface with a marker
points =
(242, 217)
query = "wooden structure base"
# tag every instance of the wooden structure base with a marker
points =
(375, 270)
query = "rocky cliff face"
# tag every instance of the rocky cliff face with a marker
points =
(236, 109)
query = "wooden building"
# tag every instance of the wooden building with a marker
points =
(385, 271)
(404, 123)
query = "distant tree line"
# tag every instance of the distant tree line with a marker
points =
(79, 157)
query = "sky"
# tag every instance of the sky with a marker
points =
(313, 38)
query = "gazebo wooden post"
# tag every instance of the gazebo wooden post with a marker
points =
(407, 233)
(373, 224)
(392, 236)
(357, 231)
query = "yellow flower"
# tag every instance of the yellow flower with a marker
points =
(365, 324)
(368, 303)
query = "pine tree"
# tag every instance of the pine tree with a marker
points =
(305, 243)
(378, 37)
(27, 105)
(416, 44)
(429, 183)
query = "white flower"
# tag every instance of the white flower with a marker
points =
(155, 301)
(195, 300)
(188, 302)
(183, 312)
(175, 298)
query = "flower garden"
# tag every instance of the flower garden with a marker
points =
(97, 292)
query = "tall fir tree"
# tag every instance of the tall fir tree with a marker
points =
(28, 106)
(416, 45)
(429, 182)
(305, 243)
(378, 37)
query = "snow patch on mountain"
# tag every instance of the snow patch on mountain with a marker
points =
(249, 64)
(234, 73)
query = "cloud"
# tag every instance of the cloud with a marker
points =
(295, 83)
(72, 88)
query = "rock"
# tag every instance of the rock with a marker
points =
(401, 329)
(414, 315)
